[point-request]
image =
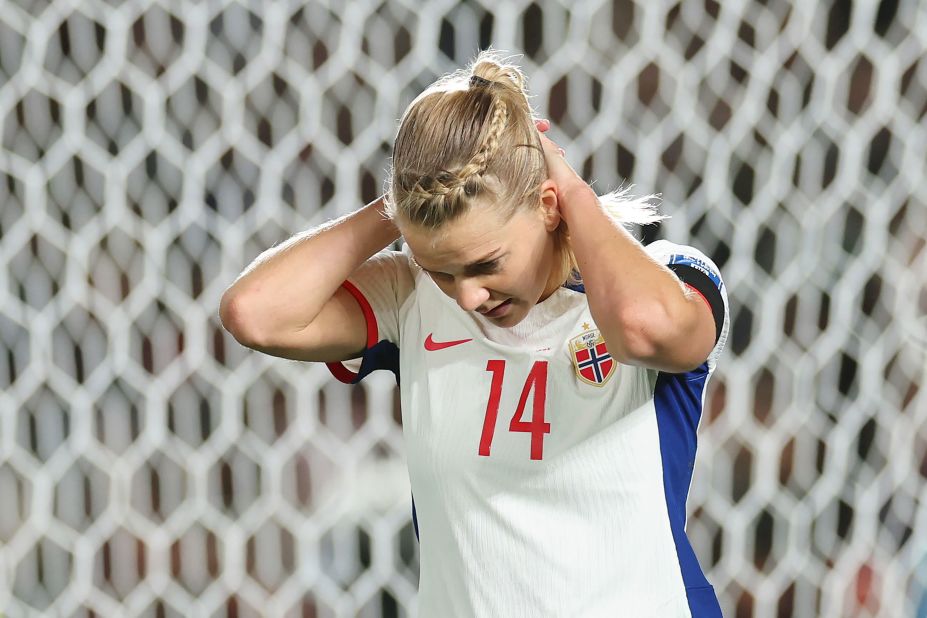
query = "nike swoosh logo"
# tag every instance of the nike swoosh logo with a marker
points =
(431, 345)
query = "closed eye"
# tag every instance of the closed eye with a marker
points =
(485, 268)
(488, 267)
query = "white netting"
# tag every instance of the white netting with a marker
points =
(151, 466)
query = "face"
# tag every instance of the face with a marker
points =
(495, 267)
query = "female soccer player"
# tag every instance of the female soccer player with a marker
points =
(552, 368)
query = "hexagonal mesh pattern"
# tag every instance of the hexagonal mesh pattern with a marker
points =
(151, 466)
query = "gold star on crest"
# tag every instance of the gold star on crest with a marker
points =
(586, 326)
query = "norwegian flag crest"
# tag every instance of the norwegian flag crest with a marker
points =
(593, 364)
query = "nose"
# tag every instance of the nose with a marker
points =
(470, 294)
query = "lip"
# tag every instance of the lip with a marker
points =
(499, 310)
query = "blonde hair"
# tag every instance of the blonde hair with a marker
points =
(471, 136)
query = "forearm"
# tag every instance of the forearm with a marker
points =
(640, 306)
(286, 286)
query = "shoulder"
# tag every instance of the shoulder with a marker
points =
(390, 258)
(668, 253)
(699, 273)
(401, 262)
(686, 262)
(391, 265)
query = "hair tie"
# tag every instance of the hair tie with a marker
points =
(477, 81)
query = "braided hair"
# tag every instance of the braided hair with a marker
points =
(470, 138)
(470, 135)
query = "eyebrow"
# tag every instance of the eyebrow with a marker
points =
(489, 257)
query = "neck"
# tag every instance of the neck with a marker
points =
(551, 286)
(557, 276)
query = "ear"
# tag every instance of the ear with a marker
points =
(550, 205)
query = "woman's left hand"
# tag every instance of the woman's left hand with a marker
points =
(558, 169)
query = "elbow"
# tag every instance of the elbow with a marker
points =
(233, 314)
(637, 335)
(651, 336)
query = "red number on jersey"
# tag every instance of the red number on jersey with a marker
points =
(492, 408)
(537, 381)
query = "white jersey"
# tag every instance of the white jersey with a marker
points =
(547, 479)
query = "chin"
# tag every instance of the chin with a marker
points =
(507, 321)
(512, 319)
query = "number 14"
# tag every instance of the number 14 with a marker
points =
(537, 381)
